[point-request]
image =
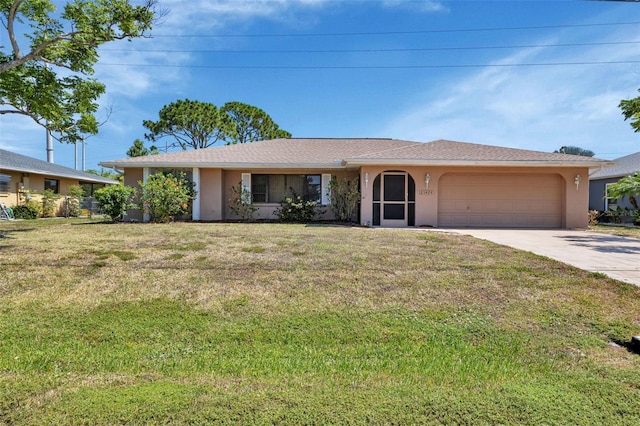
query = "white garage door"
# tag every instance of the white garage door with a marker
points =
(501, 201)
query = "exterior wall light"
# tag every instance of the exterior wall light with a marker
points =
(366, 180)
(577, 180)
(427, 178)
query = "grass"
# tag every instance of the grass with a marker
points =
(289, 324)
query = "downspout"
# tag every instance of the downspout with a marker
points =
(598, 170)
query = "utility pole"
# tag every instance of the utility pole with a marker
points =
(83, 153)
(49, 139)
(49, 145)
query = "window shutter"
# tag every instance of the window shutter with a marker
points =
(195, 208)
(246, 186)
(145, 175)
(324, 183)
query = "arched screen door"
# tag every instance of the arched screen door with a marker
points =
(393, 200)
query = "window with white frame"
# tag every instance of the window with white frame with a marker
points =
(609, 202)
(274, 188)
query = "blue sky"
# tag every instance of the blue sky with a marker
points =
(418, 70)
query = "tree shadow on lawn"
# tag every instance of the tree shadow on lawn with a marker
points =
(6, 233)
(104, 222)
(630, 345)
(333, 224)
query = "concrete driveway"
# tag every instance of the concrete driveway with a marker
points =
(616, 257)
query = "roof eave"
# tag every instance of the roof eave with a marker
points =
(97, 179)
(356, 162)
(229, 166)
(614, 176)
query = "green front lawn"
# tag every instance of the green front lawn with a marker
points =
(190, 323)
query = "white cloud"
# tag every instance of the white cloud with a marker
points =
(149, 72)
(15, 130)
(216, 14)
(152, 55)
(533, 107)
(211, 14)
(161, 60)
(427, 6)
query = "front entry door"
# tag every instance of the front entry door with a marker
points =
(394, 200)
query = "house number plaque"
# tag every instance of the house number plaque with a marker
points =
(425, 191)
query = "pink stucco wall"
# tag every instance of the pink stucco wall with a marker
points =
(215, 186)
(575, 201)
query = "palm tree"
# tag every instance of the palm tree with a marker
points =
(627, 186)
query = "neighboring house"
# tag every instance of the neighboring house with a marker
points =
(23, 177)
(403, 183)
(599, 181)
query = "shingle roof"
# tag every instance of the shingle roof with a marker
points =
(271, 153)
(340, 153)
(625, 166)
(21, 163)
(451, 152)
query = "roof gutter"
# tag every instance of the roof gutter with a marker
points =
(596, 170)
(228, 166)
(354, 163)
(97, 179)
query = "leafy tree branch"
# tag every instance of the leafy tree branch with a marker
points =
(252, 124)
(631, 111)
(31, 83)
(71, 42)
(191, 124)
(197, 125)
(628, 186)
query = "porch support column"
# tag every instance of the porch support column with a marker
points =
(145, 175)
(195, 214)
(367, 175)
